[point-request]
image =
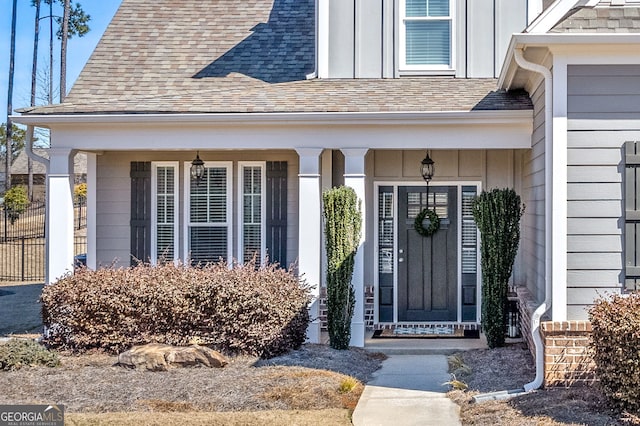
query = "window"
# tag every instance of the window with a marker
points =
(426, 35)
(164, 208)
(632, 215)
(251, 216)
(208, 214)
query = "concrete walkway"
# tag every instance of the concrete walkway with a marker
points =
(408, 390)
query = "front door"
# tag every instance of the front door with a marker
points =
(427, 266)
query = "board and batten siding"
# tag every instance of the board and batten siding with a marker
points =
(363, 36)
(113, 212)
(492, 168)
(600, 97)
(532, 249)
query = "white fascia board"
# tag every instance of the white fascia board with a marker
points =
(551, 16)
(595, 45)
(277, 119)
(470, 130)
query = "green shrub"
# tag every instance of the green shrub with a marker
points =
(242, 310)
(615, 344)
(16, 202)
(497, 214)
(343, 219)
(16, 354)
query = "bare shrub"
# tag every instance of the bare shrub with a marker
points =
(240, 310)
(615, 341)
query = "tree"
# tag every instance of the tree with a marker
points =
(63, 50)
(9, 127)
(497, 214)
(34, 72)
(15, 202)
(343, 221)
(18, 136)
(74, 21)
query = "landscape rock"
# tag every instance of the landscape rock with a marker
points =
(161, 357)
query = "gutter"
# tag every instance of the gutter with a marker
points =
(548, 189)
(486, 117)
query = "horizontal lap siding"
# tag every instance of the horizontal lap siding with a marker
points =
(113, 211)
(594, 224)
(533, 196)
(595, 239)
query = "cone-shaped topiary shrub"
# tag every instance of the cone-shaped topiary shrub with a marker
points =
(241, 310)
(497, 214)
(342, 223)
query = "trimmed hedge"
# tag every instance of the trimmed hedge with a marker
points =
(497, 214)
(615, 343)
(242, 310)
(342, 223)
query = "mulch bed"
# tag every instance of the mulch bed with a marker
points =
(510, 368)
(309, 378)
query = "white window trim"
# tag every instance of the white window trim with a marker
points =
(187, 206)
(263, 208)
(402, 37)
(154, 209)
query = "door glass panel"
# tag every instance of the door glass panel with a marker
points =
(469, 234)
(386, 249)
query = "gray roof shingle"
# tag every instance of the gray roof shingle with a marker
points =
(603, 19)
(243, 56)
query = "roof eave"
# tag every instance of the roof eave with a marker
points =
(556, 41)
(279, 119)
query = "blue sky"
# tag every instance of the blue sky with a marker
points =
(78, 50)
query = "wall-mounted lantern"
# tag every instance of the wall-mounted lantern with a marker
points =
(197, 169)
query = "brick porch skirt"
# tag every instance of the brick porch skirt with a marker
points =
(566, 357)
(368, 307)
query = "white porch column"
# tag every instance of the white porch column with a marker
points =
(354, 177)
(59, 221)
(92, 262)
(310, 231)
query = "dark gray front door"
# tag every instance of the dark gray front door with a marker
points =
(427, 266)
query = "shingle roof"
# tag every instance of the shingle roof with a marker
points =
(608, 19)
(243, 56)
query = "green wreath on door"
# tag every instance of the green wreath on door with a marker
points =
(434, 222)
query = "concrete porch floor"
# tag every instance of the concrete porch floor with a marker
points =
(416, 346)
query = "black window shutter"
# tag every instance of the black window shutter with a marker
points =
(140, 211)
(276, 220)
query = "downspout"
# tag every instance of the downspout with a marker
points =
(548, 210)
(28, 148)
(548, 176)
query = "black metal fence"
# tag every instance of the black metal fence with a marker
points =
(22, 242)
(28, 224)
